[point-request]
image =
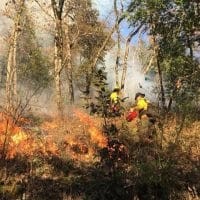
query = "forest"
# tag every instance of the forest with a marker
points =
(99, 100)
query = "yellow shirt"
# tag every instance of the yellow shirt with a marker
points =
(142, 104)
(114, 97)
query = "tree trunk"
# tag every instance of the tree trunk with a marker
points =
(160, 75)
(190, 47)
(87, 87)
(118, 44)
(69, 68)
(124, 69)
(93, 65)
(162, 91)
(57, 8)
(128, 40)
(15, 64)
(11, 76)
(58, 65)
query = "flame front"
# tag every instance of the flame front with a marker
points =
(96, 136)
(77, 139)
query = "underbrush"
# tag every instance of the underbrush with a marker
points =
(132, 164)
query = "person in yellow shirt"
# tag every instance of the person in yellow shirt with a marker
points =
(114, 99)
(141, 105)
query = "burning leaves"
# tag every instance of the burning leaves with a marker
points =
(53, 138)
(96, 136)
(79, 138)
(19, 137)
(16, 141)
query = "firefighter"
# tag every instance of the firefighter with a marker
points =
(141, 105)
(146, 126)
(114, 100)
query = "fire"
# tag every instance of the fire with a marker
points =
(19, 137)
(14, 140)
(96, 136)
(76, 138)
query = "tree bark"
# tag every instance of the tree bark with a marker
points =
(124, 70)
(190, 47)
(162, 91)
(118, 44)
(128, 40)
(11, 76)
(57, 8)
(160, 75)
(58, 65)
(69, 68)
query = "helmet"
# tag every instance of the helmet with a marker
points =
(117, 88)
(139, 95)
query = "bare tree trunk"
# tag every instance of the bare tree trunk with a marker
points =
(15, 64)
(118, 44)
(58, 65)
(190, 47)
(88, 87)
(11, 76)
(102, 48)
(162, 91)
(69, 68)
(147, 68)
(57, 7)
(128, 40)
(124, 70)
(160, 75)
(105, 43)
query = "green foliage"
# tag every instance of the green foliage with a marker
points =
(173, 25)
(34, 67)
(93, 33)
(35, 71)
(102, 103)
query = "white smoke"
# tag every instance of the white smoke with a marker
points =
(136, 80)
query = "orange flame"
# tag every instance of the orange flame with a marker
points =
(96, 135)
(78, 144)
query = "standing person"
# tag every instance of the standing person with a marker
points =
(115, 100)
(146, 126)
(141, 105)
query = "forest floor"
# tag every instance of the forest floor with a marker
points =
(43, 157)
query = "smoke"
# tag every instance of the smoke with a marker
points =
(136, 80)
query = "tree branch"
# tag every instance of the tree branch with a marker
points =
(42, 8)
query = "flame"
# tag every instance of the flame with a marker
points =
(19, 137)
(80, 144)
(17, 141)
(97, 137)
(95, 134)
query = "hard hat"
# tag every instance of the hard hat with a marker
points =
(139, 94)
(117, 88)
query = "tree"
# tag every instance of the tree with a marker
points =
(92, 43)
(57, 7)
(33, 67)
(117, 64)
(83, 36)
(11, 77)
(170, 25)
